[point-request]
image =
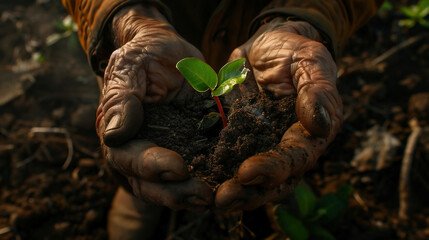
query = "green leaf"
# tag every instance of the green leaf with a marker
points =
(423, 7)
(291, 225)
(410, 12)
(319, 213)
(231, 74)
(424, 23)
(209, 121)
(320, 233)
(424, 12)
(332, 205)
(344, 192)
(231, 70)
(306, 200)
(407, 23)
(387, 6)
(198, 73)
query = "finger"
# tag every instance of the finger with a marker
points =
(232, 195)
(124, 88)
(318, 104)
(146, 161)
(191, 194)
(297, 152)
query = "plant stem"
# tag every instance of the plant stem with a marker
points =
(219, 106)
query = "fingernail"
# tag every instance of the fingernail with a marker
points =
(326, 122)
(255, 181)
(321, 122)
(194, 200)
(115, 122)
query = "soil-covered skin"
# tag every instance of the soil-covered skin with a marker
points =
(256, 123)
(41, 200)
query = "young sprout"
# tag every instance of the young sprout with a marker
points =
(202, 77)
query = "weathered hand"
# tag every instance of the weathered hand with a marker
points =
(286, 58)
(142, 69)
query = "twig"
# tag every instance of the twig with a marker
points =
(158, 127)
(25, 161)
(373, 64)
(409, 42)
(6, 147)
(241, 225)
(404, 184)
(359, 200)
(67, 137)
(5, 230)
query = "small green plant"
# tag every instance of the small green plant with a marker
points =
(67, 27)
(386, 7)
(312, 213)
(202, 78)
(416, 14)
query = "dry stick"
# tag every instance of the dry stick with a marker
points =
(386, 55)
(66, 135)
(383, 57)
(404, 184)
(5, 230)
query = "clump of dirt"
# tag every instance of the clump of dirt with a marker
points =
(255, 124)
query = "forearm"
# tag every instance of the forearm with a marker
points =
(93, 17)
(335, 20)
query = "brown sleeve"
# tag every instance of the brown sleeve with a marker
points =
(336, 20)
(92, 17)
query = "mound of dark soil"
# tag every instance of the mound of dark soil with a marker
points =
(255, 124)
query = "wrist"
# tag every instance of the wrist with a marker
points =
(289, 24)
(131, 20)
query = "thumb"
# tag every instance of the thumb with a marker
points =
(318, 104)
(122, 121)
(121, 105)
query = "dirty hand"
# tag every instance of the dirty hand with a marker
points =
(142, 69)
(286, 58)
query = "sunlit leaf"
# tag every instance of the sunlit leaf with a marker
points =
(291, 225)
(423, 6)
(198, 73)
(409, 11)
(232, 70)
(231, 74)
(407, 23)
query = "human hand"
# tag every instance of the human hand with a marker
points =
(286, 58)
(143, 69)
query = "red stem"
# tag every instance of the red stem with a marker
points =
(219, 106)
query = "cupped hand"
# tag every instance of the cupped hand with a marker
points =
(142, 69)
(286, 58)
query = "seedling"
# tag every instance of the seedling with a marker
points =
(416, 14)
(312, 213)
(202, 78)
